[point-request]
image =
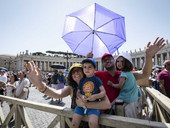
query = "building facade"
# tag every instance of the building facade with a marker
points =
(17, 63)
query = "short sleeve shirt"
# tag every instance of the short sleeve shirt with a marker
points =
(130, 91)
(20, 86)
(90, 85)
(165, 75)
(111, 92)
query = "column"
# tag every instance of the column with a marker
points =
(168, 56)
(140, 65)
(156, 62)
(136, 63)
(161, 58)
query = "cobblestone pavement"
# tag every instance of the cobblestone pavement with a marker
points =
(40, 119)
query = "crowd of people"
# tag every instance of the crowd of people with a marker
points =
(95, 92)
(160, 78)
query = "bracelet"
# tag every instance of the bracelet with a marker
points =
(43, 90)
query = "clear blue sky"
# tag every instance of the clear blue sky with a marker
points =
(37, 25)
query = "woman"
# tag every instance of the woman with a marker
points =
(74, 77)
(22, 86)
(11, 86)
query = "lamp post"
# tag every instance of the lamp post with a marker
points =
(67, 57)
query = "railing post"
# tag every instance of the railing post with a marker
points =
(17, 118)
(62, 122)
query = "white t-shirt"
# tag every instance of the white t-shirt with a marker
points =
(20, 86)
(9, 91)
(3, 78)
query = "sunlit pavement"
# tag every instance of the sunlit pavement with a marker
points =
(39, 119)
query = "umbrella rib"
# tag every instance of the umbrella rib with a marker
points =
(73, 32)
(81, 21)
(109, 22)
(81, 42)
(109, 34)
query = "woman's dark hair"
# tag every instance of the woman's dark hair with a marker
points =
(15, 77)
(70, 80)
(127, 65)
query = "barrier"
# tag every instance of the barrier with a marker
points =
(64, 115)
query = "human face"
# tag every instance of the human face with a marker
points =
(168, 66)
(88, 69)
(119, 63)
(77, 74)
(21, 75)
(12, 79)
(108, 62)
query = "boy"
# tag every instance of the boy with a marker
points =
(90, 89)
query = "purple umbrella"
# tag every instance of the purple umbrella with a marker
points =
(95, 29)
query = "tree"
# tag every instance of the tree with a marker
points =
(38, 54)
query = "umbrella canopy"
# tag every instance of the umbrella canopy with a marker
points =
(57, 66)
(3, 68)
(94, 29)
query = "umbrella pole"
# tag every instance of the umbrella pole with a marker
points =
(117, 51)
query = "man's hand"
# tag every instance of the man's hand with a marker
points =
(151, 50)
(89, 55)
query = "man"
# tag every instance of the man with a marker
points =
(164, 79)
(54, 81)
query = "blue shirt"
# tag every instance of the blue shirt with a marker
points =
(90, 85)
(129, 92)
(61, 78)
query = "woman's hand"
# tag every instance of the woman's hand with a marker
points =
(35, 75)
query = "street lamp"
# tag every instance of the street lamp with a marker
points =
(67, 57)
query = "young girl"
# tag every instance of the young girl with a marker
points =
(129, 92)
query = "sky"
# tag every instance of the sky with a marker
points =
(37, 25)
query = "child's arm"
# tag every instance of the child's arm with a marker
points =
(99, 95)
(82, 97)
(119, 85)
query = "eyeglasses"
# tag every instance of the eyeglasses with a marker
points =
(76, 70)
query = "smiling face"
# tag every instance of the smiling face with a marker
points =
(77, 74)
(119, 63)
(88, 69)
(108, 63)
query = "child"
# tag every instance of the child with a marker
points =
(129, 92)
(90, 89)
